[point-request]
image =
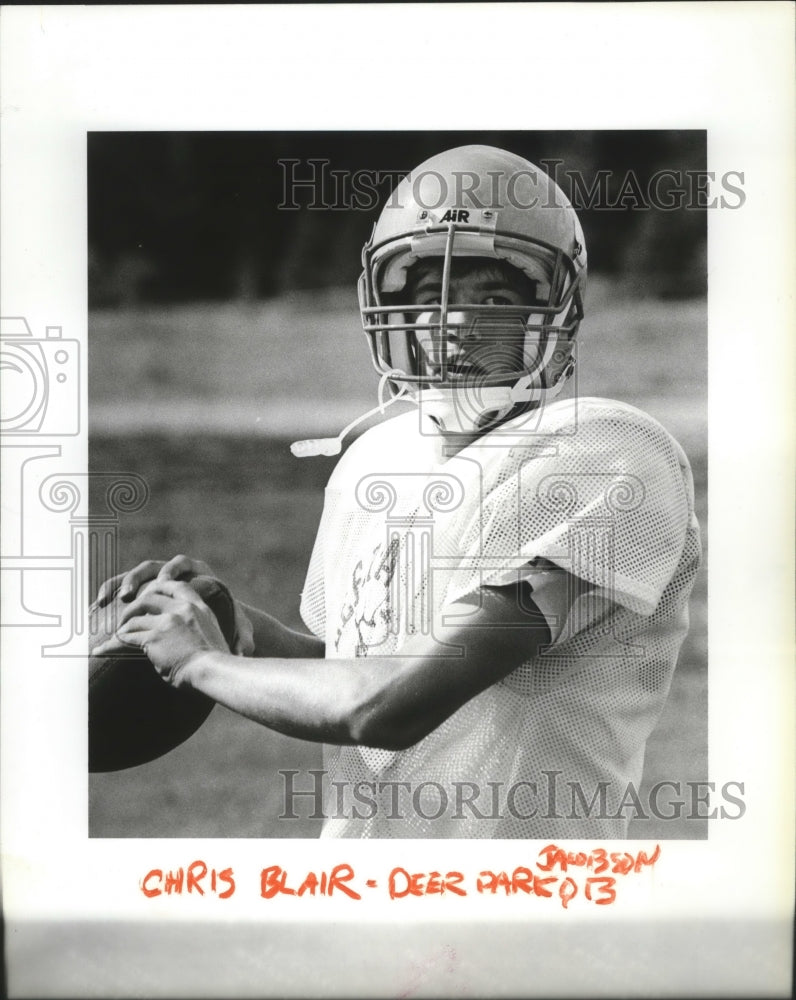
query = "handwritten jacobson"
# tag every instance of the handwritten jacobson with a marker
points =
(499, 585)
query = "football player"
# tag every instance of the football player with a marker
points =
(499, 585)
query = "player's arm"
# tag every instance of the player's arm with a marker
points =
(382, 701)
(272, 638)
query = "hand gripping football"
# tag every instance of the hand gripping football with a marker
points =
(134, 716)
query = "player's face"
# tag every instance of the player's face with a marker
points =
(474, 346)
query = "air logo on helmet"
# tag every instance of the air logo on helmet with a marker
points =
(456, 215)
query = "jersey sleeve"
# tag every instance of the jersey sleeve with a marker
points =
(609, 504)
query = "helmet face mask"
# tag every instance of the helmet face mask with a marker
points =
(425, 342)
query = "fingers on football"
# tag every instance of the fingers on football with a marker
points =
(183, 567)
(129, 583)
(107, 590)
(176, 589)
(154, 621)
(139, 629)
(162, 597)
(113, 646)
(134, 578)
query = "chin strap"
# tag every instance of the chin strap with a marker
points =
(439, 404)
(496, 402)
(333, 446)
(529, 387)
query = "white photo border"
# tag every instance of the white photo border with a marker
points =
(723, 907)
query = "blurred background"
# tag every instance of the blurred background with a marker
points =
(183, 216)
(223, 324)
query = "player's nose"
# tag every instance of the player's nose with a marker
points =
(431, 339)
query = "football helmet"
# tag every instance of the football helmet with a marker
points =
(475, 203)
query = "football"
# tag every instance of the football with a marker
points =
(134, 716)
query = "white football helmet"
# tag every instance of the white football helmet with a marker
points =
(486, 203)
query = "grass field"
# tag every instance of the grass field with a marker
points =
(203, 411)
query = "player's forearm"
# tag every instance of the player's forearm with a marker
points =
(272, 638)
(380, 701)
(311, 699)
(387, 702)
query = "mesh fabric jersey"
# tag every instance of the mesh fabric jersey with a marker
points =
(590, 501)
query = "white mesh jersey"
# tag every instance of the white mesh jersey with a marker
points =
(594, 507)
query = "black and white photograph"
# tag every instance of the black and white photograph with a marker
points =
(469, 624)
(397, 537)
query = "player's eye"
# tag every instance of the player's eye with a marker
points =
(499, 300)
